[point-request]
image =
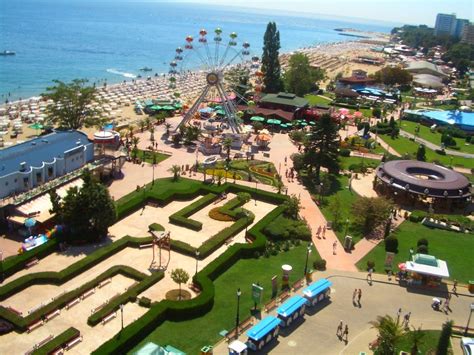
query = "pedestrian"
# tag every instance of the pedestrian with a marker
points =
(346, 334)
(446, 305)
(318, 233)
(406, 319)
(359, 296)
(354, 295)
(324, 232)
(339, 330)
(399, 313)
(285, 161)
(334, 246)
(455, 284)
(369, 276)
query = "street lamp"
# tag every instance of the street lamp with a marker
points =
(411, 254)
(121, 312)
(321, 192)
(226, 169)
(308, 251)
(237, 321)
(347, 225)
(197, 257)
(471, 308)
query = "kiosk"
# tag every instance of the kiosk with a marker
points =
(293, 308)
(237, 348)
(263, 332)
(317, 291)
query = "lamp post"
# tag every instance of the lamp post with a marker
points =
(471, 308)
(197, 258)
(237, 321)
(321, 192)
(410, 258)
(121, 312)
(308, 251)
(347, 225)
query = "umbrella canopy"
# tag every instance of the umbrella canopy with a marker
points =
(168, 108)
(257, 119)
(156, 107)
(273, 121)
(303, 123)
(30, 222)
(220, 112)
(312, 123)
(36, 126)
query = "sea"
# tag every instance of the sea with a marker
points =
(111, 40)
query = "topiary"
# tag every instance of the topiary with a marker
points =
(422, 249)
(319, 264)
(391, 244)
(422, 241)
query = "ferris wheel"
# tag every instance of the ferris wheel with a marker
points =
(213, 57)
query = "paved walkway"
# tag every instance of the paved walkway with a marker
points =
(433, 146)
(316, 334)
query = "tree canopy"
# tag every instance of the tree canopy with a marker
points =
(87, 212)
(239, 79)
(270, 61)
(462, 56)
(71, 107)
(300, 78)
(393, 76)
(370, 213)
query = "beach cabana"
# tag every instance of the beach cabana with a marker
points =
(292, 309)
(317, 291)
(263, 332)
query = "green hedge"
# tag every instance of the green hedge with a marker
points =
(180, 218)
(57, 342)
(129, 296)
(417, 216)
(156, 227)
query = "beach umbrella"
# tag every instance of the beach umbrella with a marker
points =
(156, 108)
(168, 108)
(312, 123)
(283, 125)
(220, 112)
(36, 126)
(257, 119)
(30, 222)
(273, 121)
(303, 123)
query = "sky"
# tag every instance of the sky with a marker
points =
(395, 11)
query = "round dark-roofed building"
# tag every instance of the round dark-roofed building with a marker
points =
(417, 180)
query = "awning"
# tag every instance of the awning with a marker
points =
(439, 271)
(291, 306)
(262, 328)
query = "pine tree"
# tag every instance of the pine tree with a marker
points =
(270, 61)
(421, 153)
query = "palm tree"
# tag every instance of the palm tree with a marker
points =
(175, 170)
(219, 174)
(279, 185)
(390, 332)
(142, 125)
(168, 126)
(179, 276)
(415, 336)
(227, 144)
(152, 136)
(135, 141)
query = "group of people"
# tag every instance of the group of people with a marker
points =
(343, 335)
(356, 297)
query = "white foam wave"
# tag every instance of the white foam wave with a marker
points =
(124, 74)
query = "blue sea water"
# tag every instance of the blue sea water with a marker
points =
(67, 39)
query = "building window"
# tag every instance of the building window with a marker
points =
(50, 171)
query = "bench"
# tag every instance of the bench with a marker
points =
(270, 305)
(143, 246)
(297, 285)
(109, 318)
(230, 335)
(53, 314)
(229, 240)
(73, 342)
(194, 287)
(248, 240)
(284, 296)
(60, 351)
(34, 326)
(73, 303)
(93, 310)
(44, 341)
(105, 282)
(88, 293)
(246, 324)
(31, 263)
(15, 310)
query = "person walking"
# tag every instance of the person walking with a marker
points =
(324, 232)
(354, 295)
(359, 296)
(406, 319)
(334, 246)
(339, 330)
(455, 285)
(446, 305)
(399, 313)
(369, 276)
(345, 336)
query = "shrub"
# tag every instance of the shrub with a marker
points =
(156, 227)
(440, 151)
(444, 338)
(144, 302)
(319, 264)
(370, 265)
(217, 215)
(345, 152)
(391, 244)
(417, 216)
(57, 342)
(422, 249)
(422, 241)
(180, 218)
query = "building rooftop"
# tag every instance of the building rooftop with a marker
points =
(423, 64)
(284, 98)
(41, 149)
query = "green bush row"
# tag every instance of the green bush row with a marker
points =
(156, 227)
(129, 296)
(180, 218)
(21, 323)
(229, 207)
(174, 310)
(57, 342)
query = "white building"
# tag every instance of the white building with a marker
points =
(32, 163)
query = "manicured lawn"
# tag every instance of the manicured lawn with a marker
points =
(147, 156)
(317, 100)
(348, 161)
(455, 248)
(429, 342)
(405, 146)
(434, 137)
(190, 336)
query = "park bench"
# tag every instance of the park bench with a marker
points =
(108, 318)
(143, 246)
(284, 296)
(14, 310)
(44, 341)
(93, 310)
(105, 282)
(73, 342)
(270, 305)
(31, 263)
(229, 240)
(194, 287)
(248, 240)
(246, 324)
(53, 314)
(88, 293)
(33, 326)
(59, 351)
(230, 335)
(297, 285)
(73, 303)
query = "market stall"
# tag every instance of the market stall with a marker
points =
(426, 270)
